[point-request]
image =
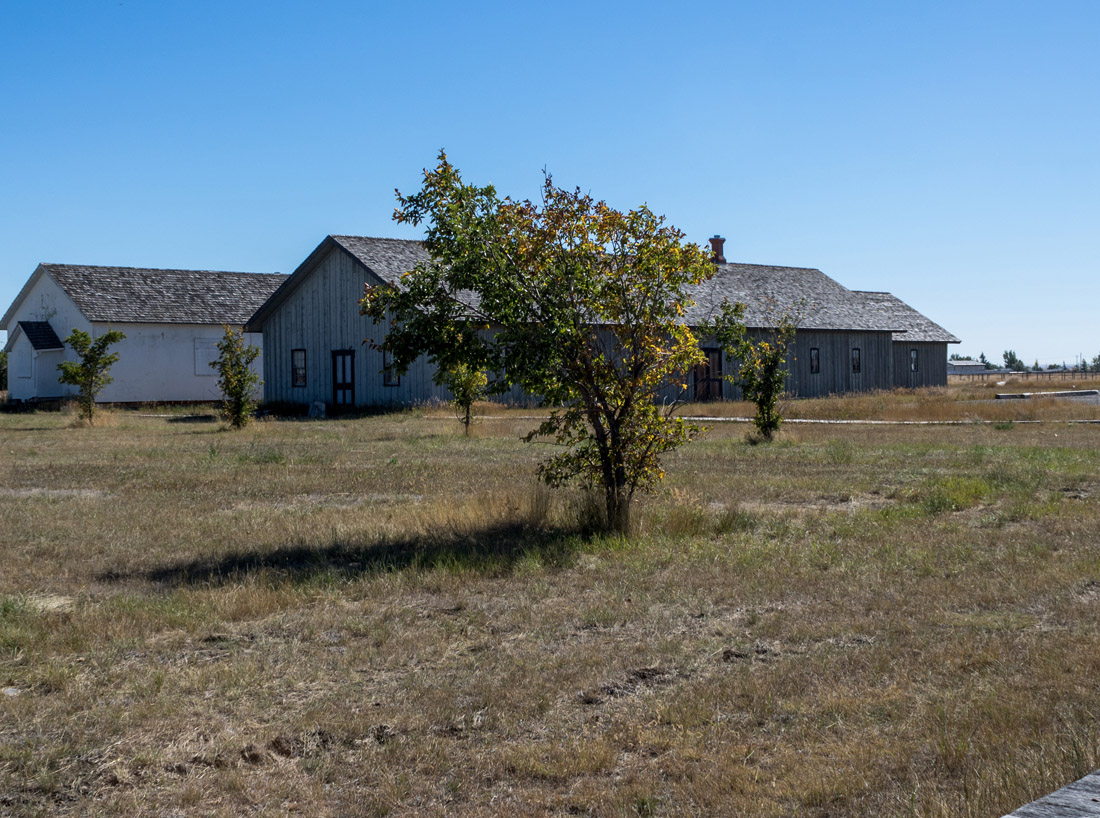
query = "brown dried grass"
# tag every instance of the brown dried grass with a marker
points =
(377, 616)
(961, 403)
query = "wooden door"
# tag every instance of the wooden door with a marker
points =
(708, 376)
(343, 378)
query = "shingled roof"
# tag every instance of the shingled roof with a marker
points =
(767, 291)
(386, 258)
(914, 325)
(41, 335)
(135, 295)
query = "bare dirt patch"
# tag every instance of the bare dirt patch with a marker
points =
(34, 491)
(819, 505)
(50, 603)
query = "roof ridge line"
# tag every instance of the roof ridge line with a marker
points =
(774, 266)
(373, 238)
(49, 264)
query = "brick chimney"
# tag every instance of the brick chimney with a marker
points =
(716, 243)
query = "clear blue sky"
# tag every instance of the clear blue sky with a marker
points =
(946, 152)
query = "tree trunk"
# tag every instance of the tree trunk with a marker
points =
(617, 496)
(617, 502)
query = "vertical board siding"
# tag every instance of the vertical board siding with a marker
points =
(322, 315)
(934, 363)
(835, 351)
(931, 364)
(835, 377)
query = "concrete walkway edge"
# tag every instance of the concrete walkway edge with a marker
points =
(1081, 799)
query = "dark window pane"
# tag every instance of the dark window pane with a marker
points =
(298, 367)
(389, 377)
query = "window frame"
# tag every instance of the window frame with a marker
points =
(389, 377)
(913, 360)
(857, 362)
(294, 369)
(22, 365)
(815, 361)
(206, 353)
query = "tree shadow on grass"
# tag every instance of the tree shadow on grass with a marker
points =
(192, 419)
(494, 549)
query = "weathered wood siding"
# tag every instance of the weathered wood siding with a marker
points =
(322, 316)
(835, 358)
(931, 364)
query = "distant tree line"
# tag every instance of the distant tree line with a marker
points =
(1014, 363)
(954, 356)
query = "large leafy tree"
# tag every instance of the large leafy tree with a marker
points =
(569, 299)
(89, 374)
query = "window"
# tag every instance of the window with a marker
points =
(389, 377)
(206, 353)
(912, 360)
(21, 364)
(297, 367)
(855, 360)
(815, 360)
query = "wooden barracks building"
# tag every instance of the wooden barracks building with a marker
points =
(847, 340)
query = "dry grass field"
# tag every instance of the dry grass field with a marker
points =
(377, 616)
(966, 401)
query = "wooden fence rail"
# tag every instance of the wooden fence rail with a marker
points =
(1050, 375)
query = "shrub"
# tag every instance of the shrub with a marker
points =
(89, 374)
(236, 380)
(467, 384)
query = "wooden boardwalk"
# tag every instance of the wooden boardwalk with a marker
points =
(1081, 799)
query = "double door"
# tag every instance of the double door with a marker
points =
(343, 378)
(708, 376)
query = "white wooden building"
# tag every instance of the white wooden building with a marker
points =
(172, 319)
